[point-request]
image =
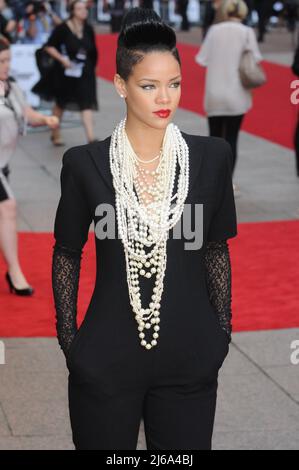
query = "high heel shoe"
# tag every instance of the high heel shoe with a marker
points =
(13, 290)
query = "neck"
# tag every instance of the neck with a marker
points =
(77, 21)
(146, 141)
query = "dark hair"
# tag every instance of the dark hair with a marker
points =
(71, 6)
(4, 43)
(142, 32)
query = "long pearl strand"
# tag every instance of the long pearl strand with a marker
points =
(144, 221)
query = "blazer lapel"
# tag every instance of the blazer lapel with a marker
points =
(99, 152)
(195, 157)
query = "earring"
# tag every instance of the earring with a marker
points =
(122, 96)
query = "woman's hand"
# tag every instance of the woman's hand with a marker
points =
(66, 63)
(38, 119)
(52, 122)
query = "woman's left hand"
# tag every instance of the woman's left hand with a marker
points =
(52, 122)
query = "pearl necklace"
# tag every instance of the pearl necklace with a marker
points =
(144, 224)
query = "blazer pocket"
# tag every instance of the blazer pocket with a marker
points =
(73, 344)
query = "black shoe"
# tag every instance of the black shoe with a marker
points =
(13, 290)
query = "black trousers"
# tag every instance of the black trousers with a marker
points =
(183, 6)
(263, 8)
(227, 127)
(173, 389)
(114, 382)
(175, 418)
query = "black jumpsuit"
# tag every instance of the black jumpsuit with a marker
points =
(113, 380)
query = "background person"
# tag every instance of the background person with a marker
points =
(226, 101)
(14, 112)
(71, 83)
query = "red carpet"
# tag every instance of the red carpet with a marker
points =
(272, 117)
(265, 260)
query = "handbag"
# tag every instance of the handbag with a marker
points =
(44, 61)
(251, 73)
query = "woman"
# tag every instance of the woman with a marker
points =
(226, 101)
(122, 365)
(14, 111)
(72, 81)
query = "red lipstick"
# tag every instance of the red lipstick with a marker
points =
(163, 113)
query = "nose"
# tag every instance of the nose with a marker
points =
(163, 96)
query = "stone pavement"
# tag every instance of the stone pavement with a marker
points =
(258, 400)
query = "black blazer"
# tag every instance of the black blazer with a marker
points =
(186, 311)
(86, 181)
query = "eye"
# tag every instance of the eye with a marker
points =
(147, 87)
(150, 87)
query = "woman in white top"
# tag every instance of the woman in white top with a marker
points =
(226, 101)
(14, 112)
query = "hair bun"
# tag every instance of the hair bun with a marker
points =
(144, 26)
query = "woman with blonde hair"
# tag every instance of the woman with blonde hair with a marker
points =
(226, 101)
(14, 112)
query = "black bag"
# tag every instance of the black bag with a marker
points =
(44, 61)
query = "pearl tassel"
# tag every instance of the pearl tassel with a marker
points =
(143, 226)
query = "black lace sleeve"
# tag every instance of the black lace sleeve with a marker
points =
(71, 227)
(218, 277)
(66, 265)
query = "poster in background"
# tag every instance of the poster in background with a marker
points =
(24, 70)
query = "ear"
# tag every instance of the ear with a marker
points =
(120, 85)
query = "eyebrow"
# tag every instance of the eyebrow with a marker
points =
(157, 81)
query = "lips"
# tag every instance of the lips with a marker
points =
(163, 113)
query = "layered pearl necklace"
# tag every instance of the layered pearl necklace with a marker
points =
(146, 212)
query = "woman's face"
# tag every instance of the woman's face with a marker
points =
(4, 64)
(80, 11)
(154, 85)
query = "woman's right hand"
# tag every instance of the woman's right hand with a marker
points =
(66, 63)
